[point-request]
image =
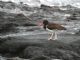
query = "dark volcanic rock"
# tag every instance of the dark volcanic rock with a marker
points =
(49, 9)
(76, 46)
(18, 19)
(8, 28)
(53, 50)
(40, 58)
(56, 50)
(8, 5)
(78, 33)
(12, 5)
(33, 51)
(72, 17)
(45, 7)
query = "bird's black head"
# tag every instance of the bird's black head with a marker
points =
(45, 23)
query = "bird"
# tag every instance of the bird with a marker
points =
(52, 27)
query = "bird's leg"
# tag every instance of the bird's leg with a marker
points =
(55, 36)
(51, 35)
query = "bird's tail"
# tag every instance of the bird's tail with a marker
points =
(64, 28)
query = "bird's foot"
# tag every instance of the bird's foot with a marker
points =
(50, 39)
(55, 38)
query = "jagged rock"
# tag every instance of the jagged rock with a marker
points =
(78, 33)
(2, 58)
(72, 17)
(8, 5)
(53, 49)
(18, 19)
(76, 46)
(48, 8)
(33, 51)
(8, 27)
(40, 58)
(45, 7)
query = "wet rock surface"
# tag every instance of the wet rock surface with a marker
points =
(38, 50)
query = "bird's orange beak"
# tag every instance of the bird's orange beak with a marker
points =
(40, 23)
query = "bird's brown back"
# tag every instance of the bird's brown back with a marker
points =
(55, 26)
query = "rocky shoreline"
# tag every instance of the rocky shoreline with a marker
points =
(15, 47)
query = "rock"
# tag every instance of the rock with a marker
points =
(8, 27)
(78, 33)
(56, 59)
(16, 58)
(45, 7)
(28, 24)
(2, 58)
(76, 46)
(8, 5)
(72, 17)
(33, 51)
(40, 58)
(49, 8)
(18, 19)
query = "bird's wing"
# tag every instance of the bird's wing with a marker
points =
(55, 26)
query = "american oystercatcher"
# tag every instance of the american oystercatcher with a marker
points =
(52, 27)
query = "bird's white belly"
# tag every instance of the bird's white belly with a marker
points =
(49, 30)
